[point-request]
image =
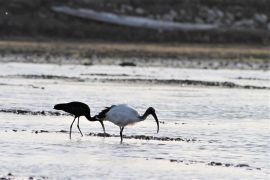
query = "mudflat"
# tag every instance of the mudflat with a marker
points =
(213, 56)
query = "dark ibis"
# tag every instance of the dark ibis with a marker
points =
(77, 109)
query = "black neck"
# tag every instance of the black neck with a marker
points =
(90, 118)
(146, 114)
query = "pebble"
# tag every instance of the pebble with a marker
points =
(242, 165)
(248, 23)
(139, 11)
(215, 164)
(260, 18)
(127, 64)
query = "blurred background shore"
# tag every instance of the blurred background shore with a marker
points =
(239, 40)
(238, 21)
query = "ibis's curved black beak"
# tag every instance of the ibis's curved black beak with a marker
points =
(155, 116)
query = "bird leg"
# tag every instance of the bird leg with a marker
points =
(79, 126)
(71, 128)
(104, 132)
(121, 135)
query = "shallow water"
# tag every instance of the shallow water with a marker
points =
(241, 77)
(230, 127)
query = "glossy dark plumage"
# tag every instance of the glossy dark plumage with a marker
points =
(77, 109)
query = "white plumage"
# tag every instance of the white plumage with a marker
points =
(123, 115)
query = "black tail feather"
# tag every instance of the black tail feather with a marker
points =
(102, 114)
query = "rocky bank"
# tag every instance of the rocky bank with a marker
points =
(239, 21)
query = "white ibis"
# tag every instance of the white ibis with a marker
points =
(77, 109)
(123, 115)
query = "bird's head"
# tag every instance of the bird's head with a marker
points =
(95, 118)
(152, 111)
(58, 107)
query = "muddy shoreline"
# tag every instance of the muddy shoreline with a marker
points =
(137, 54)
